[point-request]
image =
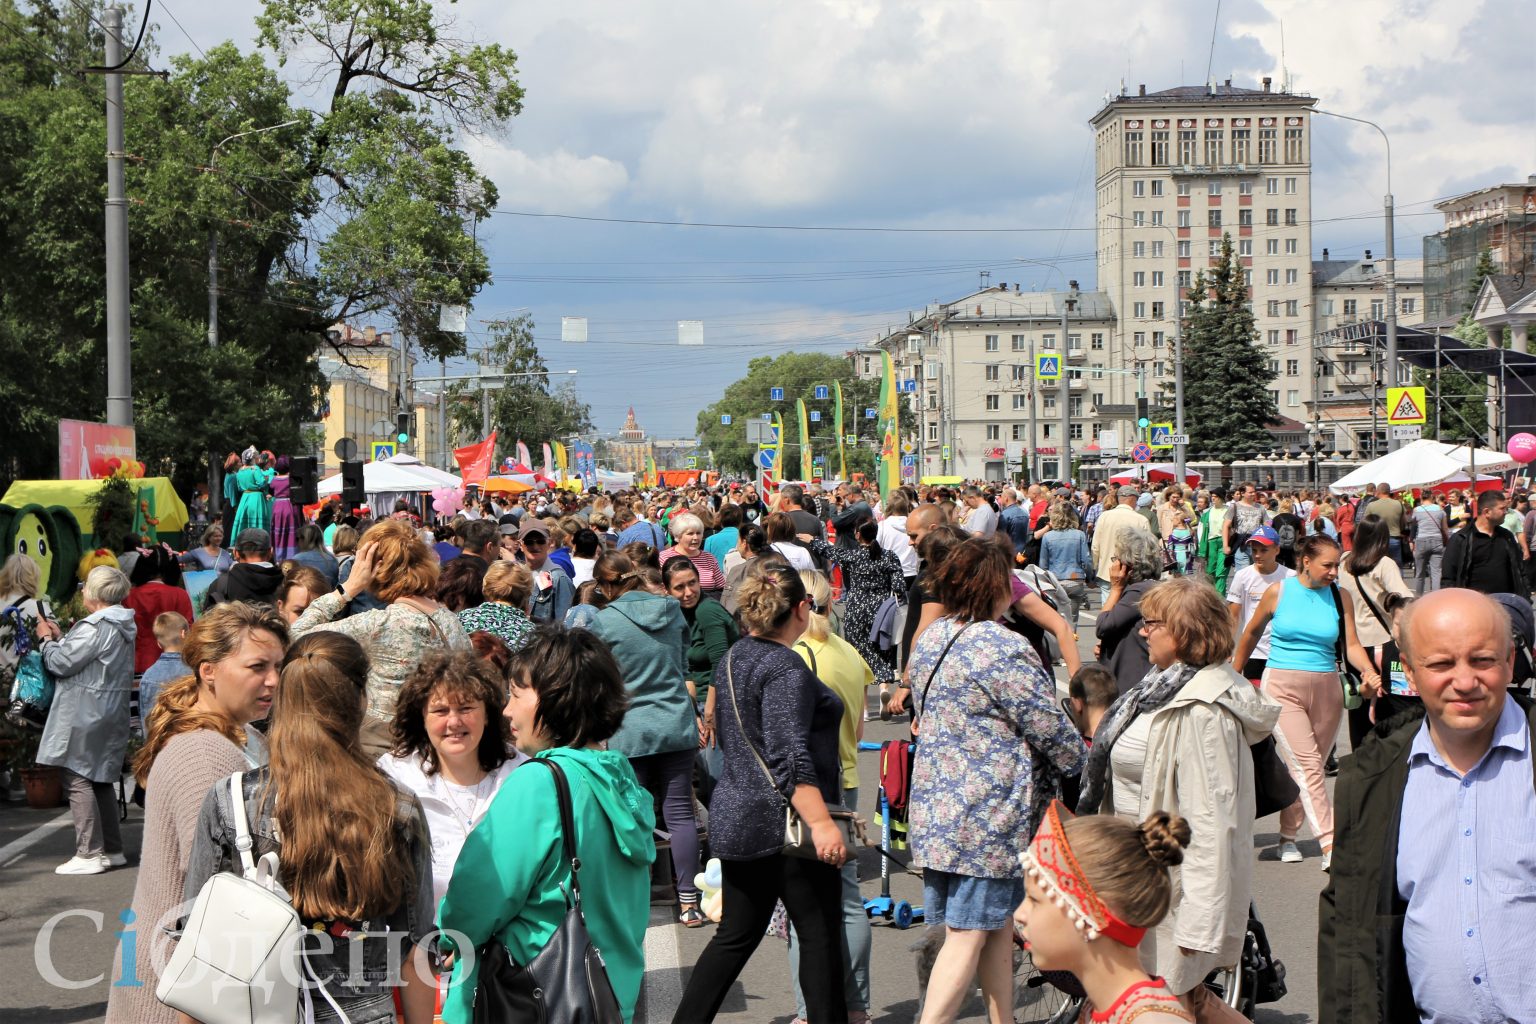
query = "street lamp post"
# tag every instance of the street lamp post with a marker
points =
(1177, 350)
(1391, 265)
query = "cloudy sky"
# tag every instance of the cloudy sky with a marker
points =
(966, 118)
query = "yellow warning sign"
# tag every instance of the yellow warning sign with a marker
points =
(1405, 406)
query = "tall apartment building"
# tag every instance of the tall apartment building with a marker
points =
(1175, 171)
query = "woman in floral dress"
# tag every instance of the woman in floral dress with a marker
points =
(994, 741)
(507, 587)
(870, 575)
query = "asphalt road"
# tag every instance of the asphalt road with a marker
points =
(67, 926)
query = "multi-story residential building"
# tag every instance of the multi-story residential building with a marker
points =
(1501, 219)
(976, 409)
(1176, 171)
(362, 371)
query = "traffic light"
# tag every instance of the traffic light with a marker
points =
(402, 427)
(1142, 414)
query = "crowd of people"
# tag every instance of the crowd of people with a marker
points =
(695, 669)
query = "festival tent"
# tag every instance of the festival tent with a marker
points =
(385, 477)
(614, 481)
(1460, 481)
(1156, 473)
(156, 492)
(415, 465)
(1423, 463)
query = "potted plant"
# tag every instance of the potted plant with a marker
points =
(43, 783)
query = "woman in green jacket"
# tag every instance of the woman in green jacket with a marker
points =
(567, 698)
(649, 638)
(711, 631)
(1212, 548)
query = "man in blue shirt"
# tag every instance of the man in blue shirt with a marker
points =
(1434, 859)
(1012, 519)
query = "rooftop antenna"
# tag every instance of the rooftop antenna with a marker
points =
(1211, 57)
(1285, 74)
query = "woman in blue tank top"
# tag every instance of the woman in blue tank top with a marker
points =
(1305, 614)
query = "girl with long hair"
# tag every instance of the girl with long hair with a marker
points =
(353, 847)
(1369, 574)
(196, 734)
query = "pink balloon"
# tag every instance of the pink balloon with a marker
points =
(1522, 447)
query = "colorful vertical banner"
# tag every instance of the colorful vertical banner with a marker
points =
(562, 462)
(523, 457)
(837, 428)
(806, 468)
(888, 470)
(778, 452)
(548, 469)
(651, 478)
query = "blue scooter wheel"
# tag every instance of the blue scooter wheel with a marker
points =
(903, 914)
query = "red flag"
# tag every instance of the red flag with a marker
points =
(475, 459)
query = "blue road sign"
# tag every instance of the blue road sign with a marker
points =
(869, 414)
(815, 415)
(822, 392)
(725, 419)
(767, 417)
(909, 460)
(765, 457)
(1048, 367)
(775, 394)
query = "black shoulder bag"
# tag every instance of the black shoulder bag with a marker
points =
(1349, 678)
(567, 982)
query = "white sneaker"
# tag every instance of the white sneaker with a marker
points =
(1327, 860)
(114, 860)
(82, 866)
(1289, 854)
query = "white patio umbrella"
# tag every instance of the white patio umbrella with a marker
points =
(1422, 463)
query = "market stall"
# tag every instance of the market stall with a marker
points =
(1424, 463)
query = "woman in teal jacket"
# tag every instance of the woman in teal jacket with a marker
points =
(567, 697)
(649, 638)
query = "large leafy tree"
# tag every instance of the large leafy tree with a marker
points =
(526, 408)
(1227, 404)
(798, 373)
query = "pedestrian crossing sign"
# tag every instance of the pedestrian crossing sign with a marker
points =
(1160, 435)
(381, 450)
(1048, 367)
(1405, 406)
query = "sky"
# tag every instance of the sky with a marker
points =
(967, 119)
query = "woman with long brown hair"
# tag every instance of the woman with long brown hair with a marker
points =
(196, 735)
(354, 854)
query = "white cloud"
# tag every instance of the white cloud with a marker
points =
(558, 181)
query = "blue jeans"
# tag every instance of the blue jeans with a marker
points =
(856, 936)
(1240, 558)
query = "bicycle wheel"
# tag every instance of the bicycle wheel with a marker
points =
(1035, 999)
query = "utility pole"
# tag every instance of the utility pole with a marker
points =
(404, 384)
(119, 353)
(1391, 272)
(1034, 395)
(442, 415)
(1180, 453)
(1068, 305)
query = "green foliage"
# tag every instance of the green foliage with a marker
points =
(1227, 404)
(527, 409)
(112, 513)
(798, 373)
(1463, 399)
(1485, 269)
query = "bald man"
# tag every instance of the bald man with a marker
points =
(1434, 862)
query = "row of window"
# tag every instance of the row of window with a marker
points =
(1272, 215)
(1213, 187)
(1216, 149)
(1046, 431)
(1351, 307)
(1272, 247)
(1020, 342)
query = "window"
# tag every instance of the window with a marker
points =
(1075, 431)
(933, 431)
(1183, 219)
(1248, 278)
(1214, 245)
(1157, 311)
(1326, 307)
(1098, 341)
(1157, 188)
(1018, 431)
(1351, 307)
(1273, 337)
(1290, 217)
(1140, 338)
(1138, 250)
(1157, 218)
(1245, 247)
(1213, 218)
(1139, 310)
(1183, 249)
(1274, 367)
(866, 366)
(1213, 147)
(1409, 305)
(1138, 187)
(1274, 397)
(931, 370)
(1138, 219)
(1018, 343)
(1048, 342)
(1139, 279)
(1271, 186)
(1271, 277)
(1019, 400)
(1213, 187)
(1245, 188)
(1291, 306)
(1293, 146)
(1183, 308)
(1182, 188)
(1157, 280)
(1272, 247)
(1272, 217)
(1185, 280)
(1187, 146)
(1159, 149)
(991, 343)
(1074, 343)
(1272, 307)
(1267, 146)
(1291, 336)
(1157, 339)
(933, 400)
(1293, 367)
(1159, 369)
(992, 371)
(1022, 372)
(1075, 405)
(995, 432)
(1098, 371)
(1377, 306)
(1291, 276)
(1290, 186)
(1290, 247)
(1048, 403)
(1157, 249)
(1245, 217)
(1240, 144)
(1292, 399)
(1098, 398)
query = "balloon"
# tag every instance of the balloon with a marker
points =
(712, 879)
(1522, 447)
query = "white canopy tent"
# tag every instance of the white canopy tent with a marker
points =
(415, 465)
(1423, 463)
(384, 478)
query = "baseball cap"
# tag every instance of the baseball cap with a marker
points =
(507, 529)
(533, 527)
(1145, 501)
(253, 539)
(1264, 535)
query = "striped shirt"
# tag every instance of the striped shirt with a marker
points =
(711, 579)
(1466, 864)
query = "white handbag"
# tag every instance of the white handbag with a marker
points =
(239, 958)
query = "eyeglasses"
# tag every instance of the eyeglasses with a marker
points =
(1148, 625)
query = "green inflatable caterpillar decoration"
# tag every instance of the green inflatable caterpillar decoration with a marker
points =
(50, 537)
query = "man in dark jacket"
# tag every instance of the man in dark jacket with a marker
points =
(1419, 920)
(253, 577)
(1482, 555)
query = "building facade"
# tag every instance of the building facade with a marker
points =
(1500, 219)
(630, 450)
(362, 371)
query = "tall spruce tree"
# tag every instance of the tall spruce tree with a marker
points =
(1227, 403)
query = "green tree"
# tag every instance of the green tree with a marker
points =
(1227, 404)
(1485, 269)
(798, 373)
(527, 408)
